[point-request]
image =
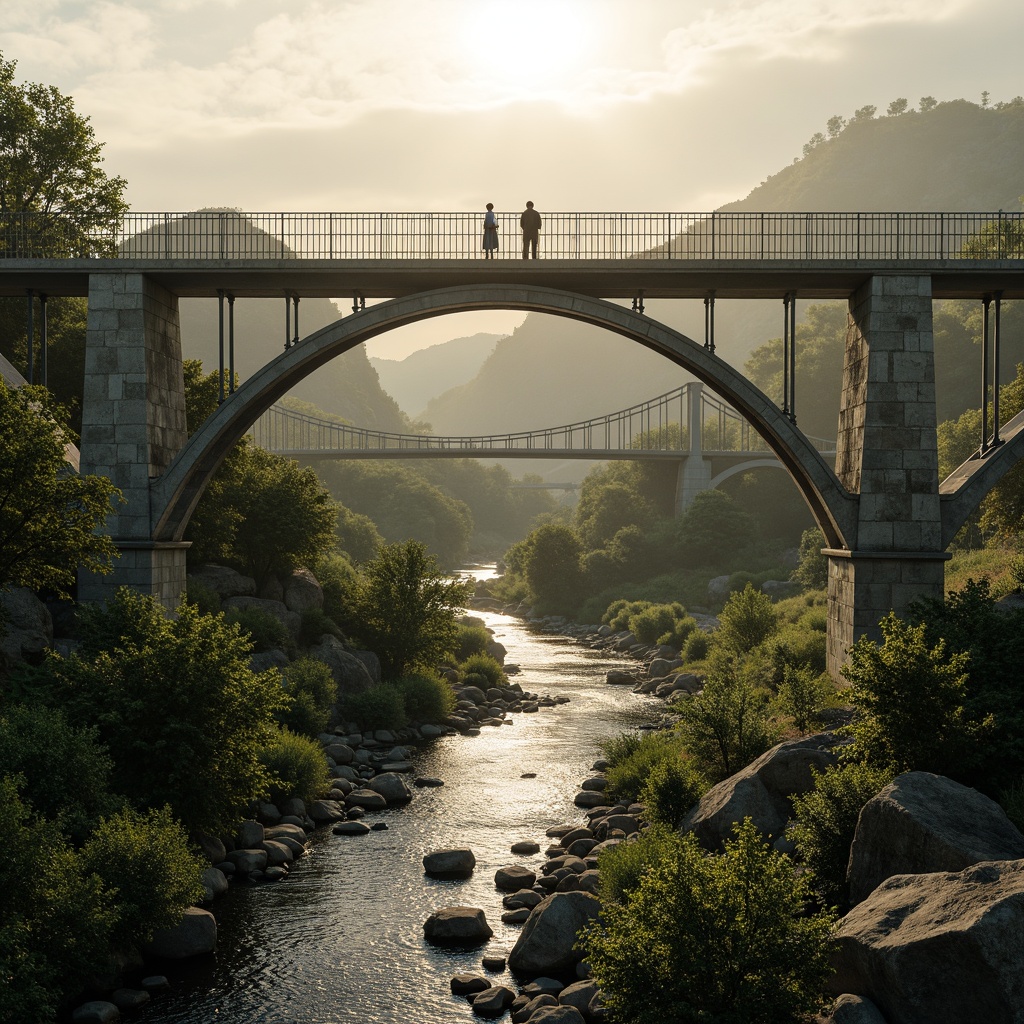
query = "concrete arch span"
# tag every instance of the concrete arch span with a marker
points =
(743, 467)
(174, 495)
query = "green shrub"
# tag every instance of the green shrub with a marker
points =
(619, 621)
(313, 692)
(178, 707)
(146, 861)
(486, 666)
(266, 632)
(624, 865)
(339, 581)
(652, 622)
(804, 694)
(427, 698)
(746, 621)
(671, 790)
(714, 938)
(55, 917)
(910, 702)
(470, 639)
(612, 611)
(696, 646)
(679, 633)
(204, 597)
(296, 765)
(65, 770)
(795, 647)
(315, 623)
(826, 819)
(617, 748)
(377, 707)
(628, 775)
(726, 725)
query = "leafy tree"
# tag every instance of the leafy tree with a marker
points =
(177, 705)
(713, 523)
(50, 168)
(357, 535)
(49, 516)
(812, 570)
(64, 769)
(604, 508)
(865, 113)
(671, 790)
(273, 515)
(712, 938)
(55, 918)
(313, 693)
(746, 621)
(836, 124)
(826, 820)
(726, 725)
(813, 142)
(405, 609)
(552, 567)
(927, 103)
(910, 701)
(897, 107)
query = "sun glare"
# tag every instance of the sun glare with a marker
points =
(524, 47)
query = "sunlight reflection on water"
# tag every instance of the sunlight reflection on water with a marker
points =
(340, 941)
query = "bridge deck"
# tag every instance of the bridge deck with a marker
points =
(601, 278)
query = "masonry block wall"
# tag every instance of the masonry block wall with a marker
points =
(133, 423)
(887, 452)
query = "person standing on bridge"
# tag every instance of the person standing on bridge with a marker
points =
(490, 233)
(530, 222)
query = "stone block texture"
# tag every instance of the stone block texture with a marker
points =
(887, 454)
(133, 421)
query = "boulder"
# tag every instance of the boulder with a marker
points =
(370, 662)
(248, 860)
(525, 847)
(557, 1015)
(211, 847)
(460, 925)
(620, 677)
(761, 791)
(392, 787)
(96, 1011)
(325, 811)
(514, 878)
(129, 999)
(302, 591)
(661, 667)
(579, 994)
(851, 1009)
(526, 1011)
(215, 884)
(194, 936)
(943, 947)
(456, 863)
(351, 828)
(369, 799)
(547, 942)
(27, 625)
(347, 670)
(260, 661)
(224, 582)
(466, 984)
(921, 823)
(249, 835)
(290, 620)
(718, 589)
(493, 1002)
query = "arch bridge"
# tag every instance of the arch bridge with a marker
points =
(886, 516)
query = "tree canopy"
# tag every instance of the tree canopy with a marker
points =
(50, 166)
(49, 515)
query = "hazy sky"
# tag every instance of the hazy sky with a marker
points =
(448, 104)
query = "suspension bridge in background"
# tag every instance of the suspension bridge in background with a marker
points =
(709, 439)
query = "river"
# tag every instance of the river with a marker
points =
(340, 940)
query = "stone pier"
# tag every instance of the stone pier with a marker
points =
(887, 454)
(133, 424)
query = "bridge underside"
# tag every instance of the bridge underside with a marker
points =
(880, 509)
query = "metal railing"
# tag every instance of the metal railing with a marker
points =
(232, 234)
(659, 425)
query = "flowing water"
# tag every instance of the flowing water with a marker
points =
(340, 941)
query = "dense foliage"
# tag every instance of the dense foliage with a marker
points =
(711, 938)
(405, 609)
(49, 515)
(174, 699)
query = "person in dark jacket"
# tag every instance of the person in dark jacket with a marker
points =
(530, 223)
